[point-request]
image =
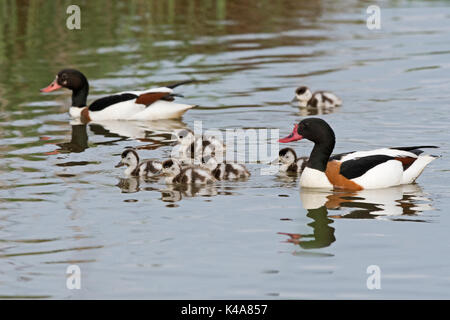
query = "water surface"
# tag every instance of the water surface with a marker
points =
(62, 202)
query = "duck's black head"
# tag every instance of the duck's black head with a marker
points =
(313, 129)
(73, 80)
(319, 132)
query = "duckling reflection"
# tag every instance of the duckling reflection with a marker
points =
(129, 185)
(177, 192)
(398, 203)
(309, 111)
(132, 184)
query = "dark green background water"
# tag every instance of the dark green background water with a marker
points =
(62, 202)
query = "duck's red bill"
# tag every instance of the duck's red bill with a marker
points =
(294, 136)
(52, 87)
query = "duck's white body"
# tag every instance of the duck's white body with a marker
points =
(130, 110)
(384, 175)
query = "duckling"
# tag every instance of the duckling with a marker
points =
(289, 161)
(318, 99)
(190, 147)
(189, 175)
(148, 168)
(225, 171)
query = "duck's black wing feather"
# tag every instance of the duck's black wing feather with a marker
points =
(355, 168)
(105, 102)
(416, 149)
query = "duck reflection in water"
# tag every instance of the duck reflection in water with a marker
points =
(156, 133)
(401, 203)
(323, 233)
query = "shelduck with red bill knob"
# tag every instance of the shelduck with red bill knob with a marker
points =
(374, 169)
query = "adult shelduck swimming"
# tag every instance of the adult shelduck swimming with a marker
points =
(359, 170)
(319, 99)
(152, 104)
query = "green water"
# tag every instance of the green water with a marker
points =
(63, 203)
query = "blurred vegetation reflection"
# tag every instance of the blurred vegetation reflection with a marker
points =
(35, 42)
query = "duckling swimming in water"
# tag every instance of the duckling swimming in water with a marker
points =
(191, 147)
(318, 99)
(189, 175)
(130, 159)
(289, 161)
(226, 171)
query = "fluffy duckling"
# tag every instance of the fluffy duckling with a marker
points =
(190, 147)
(189, 175)
(289, 161)
(318, 99)
(225, 171)
(130, 159)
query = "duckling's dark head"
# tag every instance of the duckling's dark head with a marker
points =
(167, 164)
(287, 155)
(129, 158)
(303, 94)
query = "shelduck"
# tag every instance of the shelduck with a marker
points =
(225, 171)
(380, 168)
(319, 99)
(148, 168)
(152, 104)
(289, 161)
(189, 175)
